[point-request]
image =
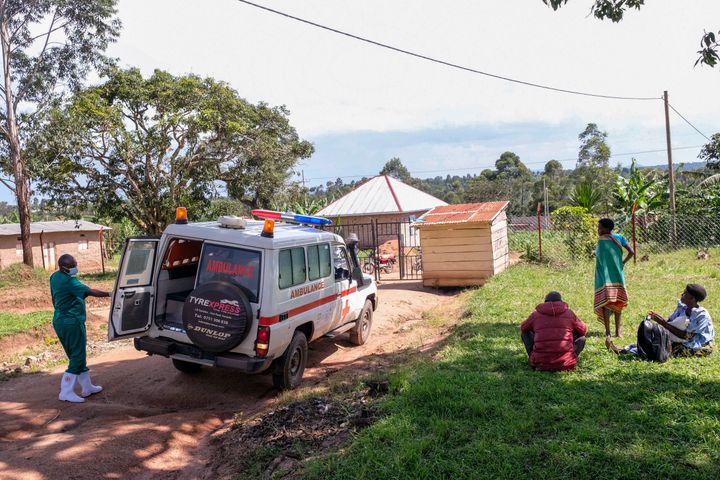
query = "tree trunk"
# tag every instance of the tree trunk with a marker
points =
(22, 183)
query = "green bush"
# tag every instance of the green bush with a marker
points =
(580, 230)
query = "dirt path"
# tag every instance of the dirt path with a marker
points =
(150, 419)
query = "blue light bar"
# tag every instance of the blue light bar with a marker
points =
(291, 217)
(312, 220)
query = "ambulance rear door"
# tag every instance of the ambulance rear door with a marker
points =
(134, 295)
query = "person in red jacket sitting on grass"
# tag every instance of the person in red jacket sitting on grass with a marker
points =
(553, 335)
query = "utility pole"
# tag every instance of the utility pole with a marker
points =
(671, 171)
(304, 191)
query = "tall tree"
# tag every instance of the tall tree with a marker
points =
(47, 46)
(510, 166)
(137, 148)
(614, 10)
(555, 181)
(711, 152)
(594, 151)
(593, 165)
(260, 159)
(395, 168)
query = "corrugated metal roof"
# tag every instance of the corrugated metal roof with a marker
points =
(381, 195)
(463, 213)
(54, 226)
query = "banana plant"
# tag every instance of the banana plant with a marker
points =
(643, 189)
(302, 206)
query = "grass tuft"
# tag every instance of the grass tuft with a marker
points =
(12, 323)
(20, 274)
(109, 275)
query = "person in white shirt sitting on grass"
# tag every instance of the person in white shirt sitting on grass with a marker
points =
(689, 327)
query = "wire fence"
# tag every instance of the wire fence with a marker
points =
(573, 240)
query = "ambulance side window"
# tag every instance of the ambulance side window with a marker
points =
(341, 263)
(292, 267)
(318, 258)
(137, 264)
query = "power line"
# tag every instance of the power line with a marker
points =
(418, 172)
(441, 62)
(688, 122)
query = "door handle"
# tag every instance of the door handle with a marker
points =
(128, 293)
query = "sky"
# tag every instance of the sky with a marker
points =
(361, 105)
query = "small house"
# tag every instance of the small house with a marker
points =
(81, 239)
(464, 244)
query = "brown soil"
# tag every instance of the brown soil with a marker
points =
(152, 422)
(275, 444)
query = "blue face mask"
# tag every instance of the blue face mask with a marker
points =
(72, 271)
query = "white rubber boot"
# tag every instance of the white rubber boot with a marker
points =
(87, 387)
(67, 389)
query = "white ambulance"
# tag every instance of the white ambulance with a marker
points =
(243, 294)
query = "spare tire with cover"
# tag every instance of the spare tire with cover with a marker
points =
(217, 316)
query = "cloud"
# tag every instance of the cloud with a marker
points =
(335, 84)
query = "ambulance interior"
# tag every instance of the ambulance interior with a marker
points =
(176, 280)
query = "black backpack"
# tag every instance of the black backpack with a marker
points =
(653, 342)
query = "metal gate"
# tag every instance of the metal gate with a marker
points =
(388, 250)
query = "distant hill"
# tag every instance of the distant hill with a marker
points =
(689, 166)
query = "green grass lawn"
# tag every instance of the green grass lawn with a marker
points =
(478, 411)
(109, 275)
(12, 323)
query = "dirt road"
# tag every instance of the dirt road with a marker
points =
(150, 419)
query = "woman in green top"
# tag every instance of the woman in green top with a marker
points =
(68, 295)
(610, 292)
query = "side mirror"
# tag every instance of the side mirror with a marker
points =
(352, 243)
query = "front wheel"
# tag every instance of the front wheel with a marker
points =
(186, 367)
(289, 369)
(368, 268)
(361, 331)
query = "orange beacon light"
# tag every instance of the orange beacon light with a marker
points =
(268, 230)
(181, 216)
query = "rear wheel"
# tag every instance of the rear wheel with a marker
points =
(289, 369)
(186, 367)
(368, 267)
(361, 332)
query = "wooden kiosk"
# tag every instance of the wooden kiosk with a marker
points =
(464, 244)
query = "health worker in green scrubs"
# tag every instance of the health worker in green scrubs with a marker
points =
(68, 295)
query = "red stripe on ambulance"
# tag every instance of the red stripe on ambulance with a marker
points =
(272, 320)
